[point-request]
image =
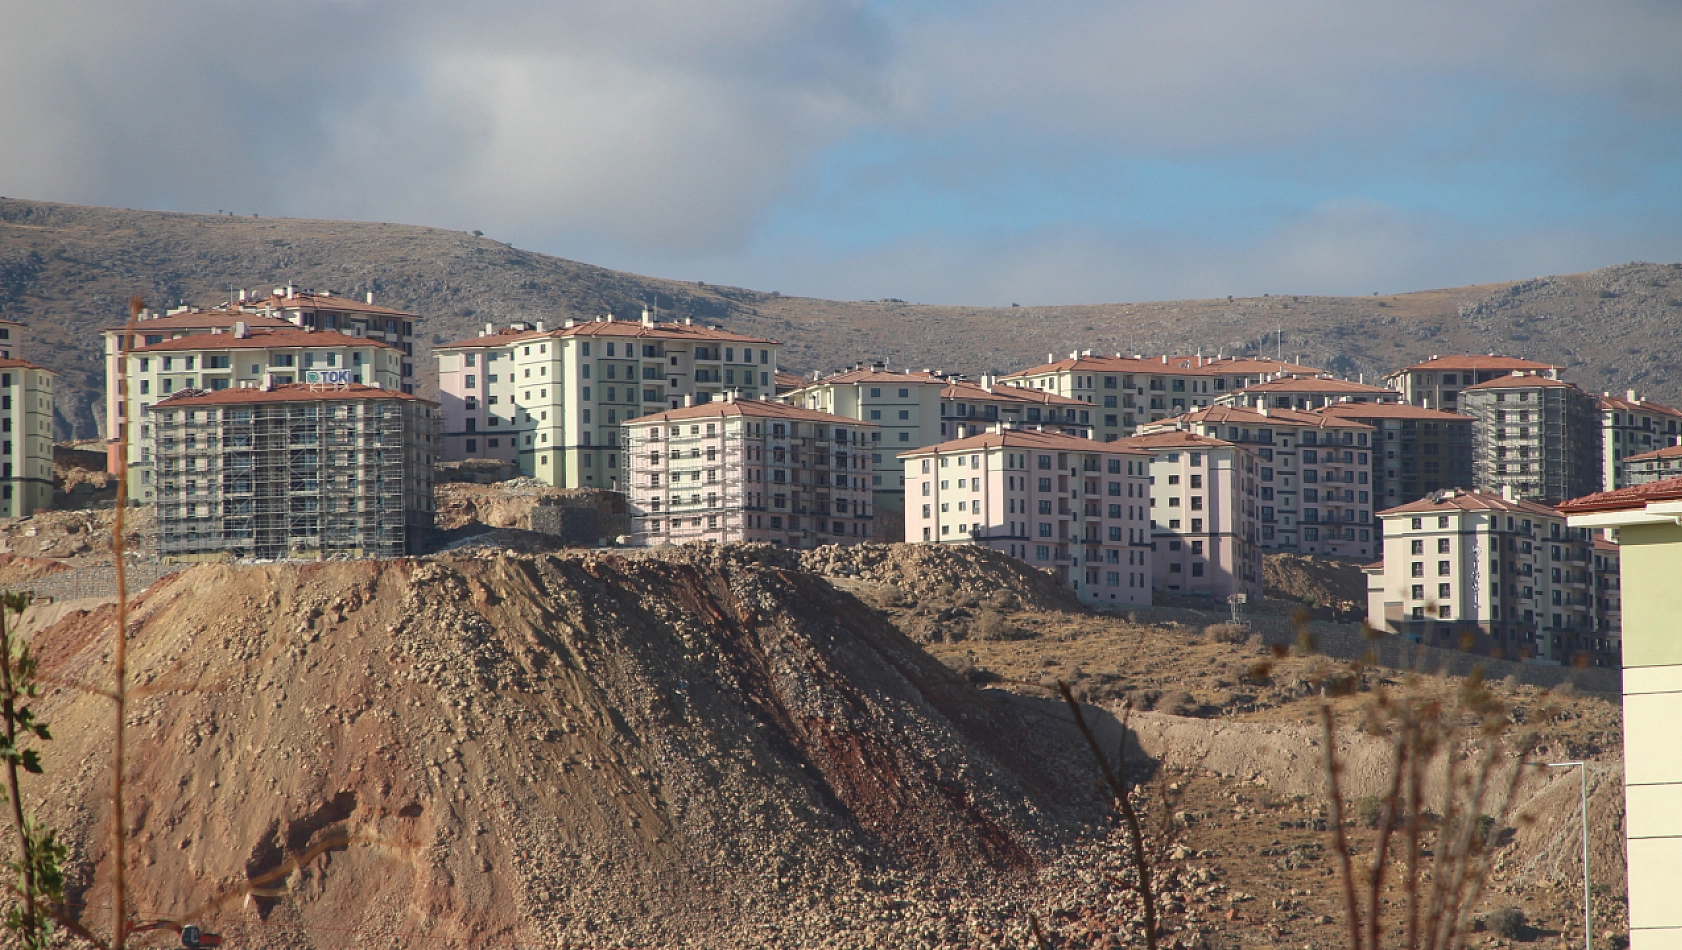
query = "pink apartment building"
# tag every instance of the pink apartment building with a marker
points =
(749, 470)
(1074, 507)
(1203, 515)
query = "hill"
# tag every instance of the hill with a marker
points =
(68, 270)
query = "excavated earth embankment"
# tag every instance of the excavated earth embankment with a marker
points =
(546, 750)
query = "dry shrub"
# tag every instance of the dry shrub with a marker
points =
(1003, 600)
(1235, 633)
(990, 625)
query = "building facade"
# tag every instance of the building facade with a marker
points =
(1647, 521)
(1314, 475)
(1654, 466)
(1534, 436)
(1438, 382)
(26, 437)
(749, 470)
(1306, 393)
(1631, 426)
(234, 356)
(1491, 574)
(1204, 515)
(1128, 392)
(1415, 451)
(968, 408)
(327, 311)
(293, 471)
(553, 400)
(1076, 508)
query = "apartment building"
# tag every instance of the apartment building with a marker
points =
(26, 437)
(1490, 574)
(1535, 436)
(1306, 393)
(1071, 506)
(325, 310)
(218, 351)
(1204, 515)
(1608, 585)
(1632, 426)
(11, 339)
(1647, 520)
(295, 470)
(1438, 382)
(968, 408)
(1655, 466)
(749, 470)
(1314, 477)
(1416, 451)
(553, 399)
(1127, 392)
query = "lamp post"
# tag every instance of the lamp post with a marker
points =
(1588, 922)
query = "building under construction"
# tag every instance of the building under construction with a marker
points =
(294, 471)
(1535, 437)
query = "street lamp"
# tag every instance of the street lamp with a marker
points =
(1588, 922)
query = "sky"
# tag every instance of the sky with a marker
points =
(941, 151)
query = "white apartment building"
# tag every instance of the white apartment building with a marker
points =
(11, 339)
(968, 408)
(1203, 515)
(554, 399)
(1489, 574)
(1071, 506)
(748, 470)
(1130, 391)
(1632, 426)
(26, 437)
(218, 350)
(1438, 382)
(325, 310)
(1315, 491)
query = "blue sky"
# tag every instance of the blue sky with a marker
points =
(984, 152)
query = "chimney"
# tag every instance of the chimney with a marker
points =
(289, 294)
(647, 318)
(730, 396)
(540, 326)
(490, 328)
(1630, 395)
(568, 323)
(688, 400)
(1049, 358)
(1165, 359)
(326, 293)
(242, 296)
(240, 331)
(1507, 492)
(370, 296)
(1262, 408)
(610, 318)
(268, 382)
(688, 321)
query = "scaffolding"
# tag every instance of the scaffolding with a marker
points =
(1539, 439)
(307, 474)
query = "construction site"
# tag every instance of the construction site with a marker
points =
(293, 472)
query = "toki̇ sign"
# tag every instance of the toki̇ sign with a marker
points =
(328, 376)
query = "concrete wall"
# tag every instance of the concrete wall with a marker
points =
(1652, 564)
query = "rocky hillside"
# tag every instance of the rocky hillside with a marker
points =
(68, 271)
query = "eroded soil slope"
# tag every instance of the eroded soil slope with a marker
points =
(547, 750)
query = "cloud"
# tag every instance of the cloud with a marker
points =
(963, 150)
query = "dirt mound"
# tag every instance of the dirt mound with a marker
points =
(509, 504)
(549, 750)
(961, 575)
(1316, 582)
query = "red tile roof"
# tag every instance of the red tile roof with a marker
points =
(1175, 366)
(202, 320)
(8, 363)
(901, 377)
(1319, 384)
(786, 382)
(290, 392)
(963, 389)
(1611, 403)
(1476, 364)
(1633, 497)
(291, 336)
(1176, 438)
(1245, 415)
(1392, 410)
(1026, 439)
(1669, 452)
(1526, 381)
(301, 300)
(754, 408)
(1468, 501)
(658, 331)
(503, 337)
